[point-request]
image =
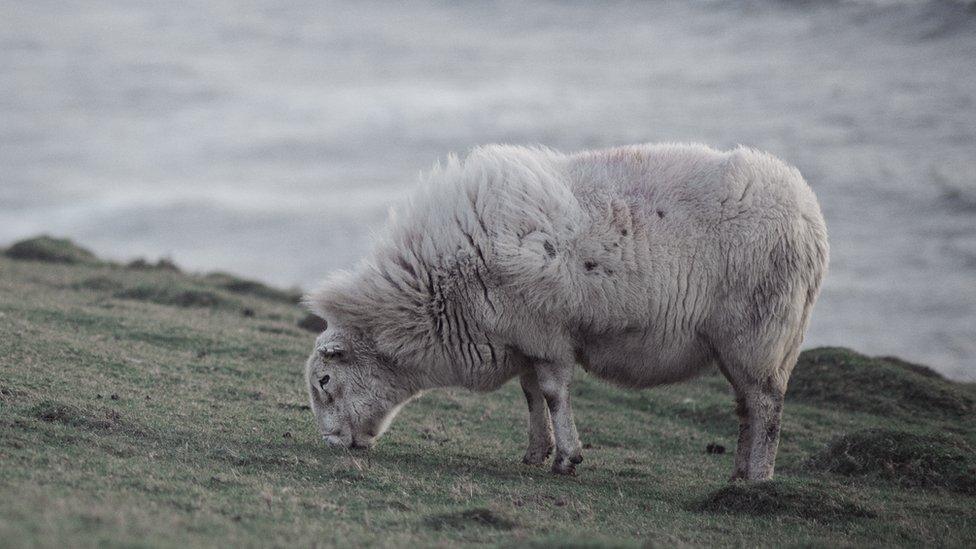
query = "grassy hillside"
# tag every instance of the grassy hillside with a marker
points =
(143, 406)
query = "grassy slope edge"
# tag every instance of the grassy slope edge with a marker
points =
(143, 406)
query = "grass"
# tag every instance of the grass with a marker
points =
(145, 406)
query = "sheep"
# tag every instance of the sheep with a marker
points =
(644, 264)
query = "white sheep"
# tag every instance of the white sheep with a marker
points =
(644, 264)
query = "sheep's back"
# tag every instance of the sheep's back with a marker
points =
(656, 238)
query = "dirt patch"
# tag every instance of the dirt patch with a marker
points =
(53, 250)
(906, 458)
(480, 517)
(787, 499)
(171, 295)
(56, 412)
(883, 386)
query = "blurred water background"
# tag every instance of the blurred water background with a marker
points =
(267, 137)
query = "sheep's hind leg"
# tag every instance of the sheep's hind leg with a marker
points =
(743, 448)
(540, 427)
(554, 381)
(765, 413)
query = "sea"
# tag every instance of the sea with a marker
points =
(268, 138)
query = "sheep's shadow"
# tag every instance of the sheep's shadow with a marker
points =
(627, 481)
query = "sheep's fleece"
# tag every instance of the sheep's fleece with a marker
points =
(644, 265)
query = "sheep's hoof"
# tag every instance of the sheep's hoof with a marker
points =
(536, 456)
(566, 465)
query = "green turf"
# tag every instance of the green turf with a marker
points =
(143, 406)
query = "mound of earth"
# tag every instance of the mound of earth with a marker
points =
(811, 501)
(842, 378)
(906, 458)
(53, 250)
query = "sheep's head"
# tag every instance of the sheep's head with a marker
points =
(354, 391)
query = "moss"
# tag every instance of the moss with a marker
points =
(53, 250)
(906, 458)
(806, 500)
(243, 286)
(842, 378)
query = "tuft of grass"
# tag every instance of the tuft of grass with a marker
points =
(50, 249)
(834, 376)
(806, 500)
(909, 459)
(8, 392)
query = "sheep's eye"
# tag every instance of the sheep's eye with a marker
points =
(323, 381)
(331, 353)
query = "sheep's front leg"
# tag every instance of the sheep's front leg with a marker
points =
(554, 381)
(540, 428)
